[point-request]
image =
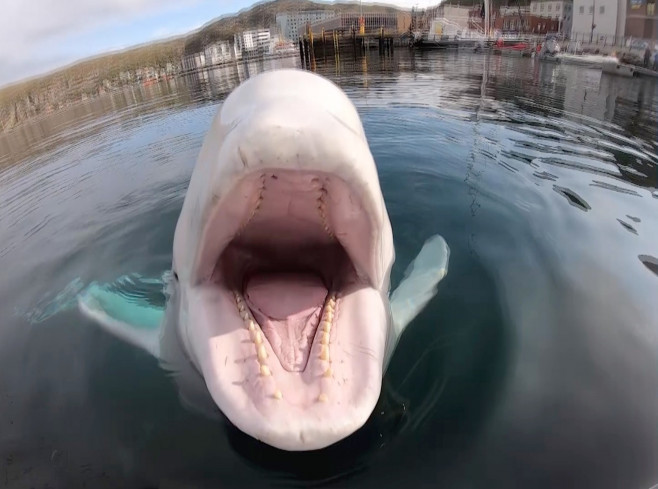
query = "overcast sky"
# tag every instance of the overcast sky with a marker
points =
(37, 36)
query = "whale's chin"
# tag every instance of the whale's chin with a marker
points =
(290, 294)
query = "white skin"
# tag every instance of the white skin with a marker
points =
(281, 267)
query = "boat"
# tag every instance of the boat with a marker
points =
(591, 60)
(514, 47)
(446, 34)
(550, 48)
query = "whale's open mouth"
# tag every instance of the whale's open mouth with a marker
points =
(293, 253)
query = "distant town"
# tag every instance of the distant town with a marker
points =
(607, 26)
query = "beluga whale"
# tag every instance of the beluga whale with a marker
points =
(278, 309)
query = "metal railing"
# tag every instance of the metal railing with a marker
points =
(592, 38)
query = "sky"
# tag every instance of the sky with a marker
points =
(37, 36)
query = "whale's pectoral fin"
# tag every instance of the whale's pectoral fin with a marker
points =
(417, 288)
(130, 308)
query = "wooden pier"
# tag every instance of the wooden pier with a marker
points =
(334, 42)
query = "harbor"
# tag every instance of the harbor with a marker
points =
(427, 31)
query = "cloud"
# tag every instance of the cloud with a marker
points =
(34, 34)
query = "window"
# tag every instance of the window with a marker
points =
(541, 7)
(557, 7)
(534, 8)
(550, 7)
(602, 9)
(591, 9)
(582, 9)
(651, 9)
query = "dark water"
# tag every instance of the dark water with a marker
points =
(535, 366)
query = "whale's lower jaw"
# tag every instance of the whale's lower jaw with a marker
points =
(288, 330)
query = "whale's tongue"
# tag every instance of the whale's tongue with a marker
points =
(287, 307)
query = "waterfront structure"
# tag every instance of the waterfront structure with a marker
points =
(373, 21)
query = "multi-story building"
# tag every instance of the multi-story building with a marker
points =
(290, 24)
(599, 18)
(249, 42)
(560, 10)
(642, 20)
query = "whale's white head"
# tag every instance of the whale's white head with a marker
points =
(282, 254)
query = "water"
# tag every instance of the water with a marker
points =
(535, 365)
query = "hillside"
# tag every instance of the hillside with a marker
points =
(84, 79)
(95, 76)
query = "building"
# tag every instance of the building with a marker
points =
(527, 24)
(598, 19)
(641, 20)
(291, 24)
(507, 10)
(454, 13)
(251, 42)
(560, 10)
(193, 61)
(217, 53)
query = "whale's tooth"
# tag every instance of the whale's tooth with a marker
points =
(324, 352)
(262, 353)
(325, 337)
(326, 326)
(277, 394)
(265, 371)
(258, 338)
(251, 325)
(323, 397)
(327, 373)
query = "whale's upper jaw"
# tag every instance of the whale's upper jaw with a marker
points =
(285, 246)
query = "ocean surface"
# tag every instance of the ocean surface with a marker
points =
(535, 366)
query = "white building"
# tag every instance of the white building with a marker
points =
(291, 24)
(248, 42)
(607, 16)
(217, 53)
(561, 10)
(193, 61)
